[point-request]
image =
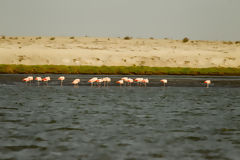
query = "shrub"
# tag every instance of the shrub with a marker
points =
(52, 38)
(71, 37)
(237, 42)
(38, 38)
(127, 38)
(185, 40)
(229, 42)
(3, 37)
(151, 38)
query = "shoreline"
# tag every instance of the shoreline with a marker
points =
(123, 56)
(116, 70)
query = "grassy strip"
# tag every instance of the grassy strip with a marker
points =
(131, 70)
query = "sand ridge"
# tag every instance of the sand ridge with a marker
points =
(118, 52)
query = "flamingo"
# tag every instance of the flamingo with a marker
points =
(75, 82)
(164, 81)
(46, 79)
(106, 80)
(92, 80)
(26, 80)
(30, 79)
(208, 82)
(61, 78)
(125, 79)
(138, 80)
(145, 81)
(99, 81)
(120, 82)
(130, 81)
(39, 79)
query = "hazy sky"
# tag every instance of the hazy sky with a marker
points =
(196, 19)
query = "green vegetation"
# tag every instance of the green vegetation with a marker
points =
(185, 40)
(38, 38)
(131, 70)
(52, 38)
(127, 38)
(229, 42)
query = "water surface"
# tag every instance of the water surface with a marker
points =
(184, 120)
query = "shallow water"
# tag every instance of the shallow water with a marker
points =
(184, 120)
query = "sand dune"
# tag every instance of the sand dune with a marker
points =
(118, 52)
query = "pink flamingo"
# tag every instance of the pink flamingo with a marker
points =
(125, 79)
(92, 80)
(164, 81)
(62, 78)
(138, 80)
(30, 79)
(130, 81)
(75, 82)
(46, 79)
(208, 82)
(26, 80)
(106, 80)
(99, 81)
(39, 79)
(145, 81)
(120, 82)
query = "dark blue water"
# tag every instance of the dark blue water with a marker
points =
(184, 120)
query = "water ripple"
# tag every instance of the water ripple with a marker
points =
(112, 123)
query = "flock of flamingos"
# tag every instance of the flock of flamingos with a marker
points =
(102, 81)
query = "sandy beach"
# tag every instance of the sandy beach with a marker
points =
(118, 52)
